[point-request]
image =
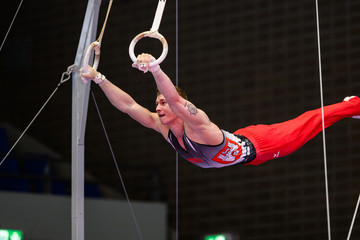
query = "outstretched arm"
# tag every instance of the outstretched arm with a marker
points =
(124, 102)
(183, 108)
(196, 122)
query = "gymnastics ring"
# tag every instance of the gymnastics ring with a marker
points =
(151, 34)
(96, 47)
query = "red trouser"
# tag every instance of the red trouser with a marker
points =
(281, 139)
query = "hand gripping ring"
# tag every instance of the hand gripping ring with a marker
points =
(151, 34)
(96, 47)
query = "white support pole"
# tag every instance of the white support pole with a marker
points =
(80, 98)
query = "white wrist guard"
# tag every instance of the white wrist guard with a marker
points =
(99, 79)
(154, 68)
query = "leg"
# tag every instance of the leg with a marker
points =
(281, 139)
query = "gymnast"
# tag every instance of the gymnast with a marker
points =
(191, 133)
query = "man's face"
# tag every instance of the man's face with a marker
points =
(163, 110)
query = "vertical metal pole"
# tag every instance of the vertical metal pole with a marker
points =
(80, 98)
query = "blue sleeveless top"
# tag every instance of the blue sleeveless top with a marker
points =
(233, 150)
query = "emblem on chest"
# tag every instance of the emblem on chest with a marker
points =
(229, 154)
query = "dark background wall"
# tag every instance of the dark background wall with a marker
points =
(243, 62)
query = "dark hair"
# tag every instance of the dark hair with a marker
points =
(179, 91)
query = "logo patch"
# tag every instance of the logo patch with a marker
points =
(230, 153)
(195, 160)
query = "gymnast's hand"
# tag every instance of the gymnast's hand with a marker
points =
(92, 74)
(143, 63)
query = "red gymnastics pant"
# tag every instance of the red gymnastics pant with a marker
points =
(278, 140)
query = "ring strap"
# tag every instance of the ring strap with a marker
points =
(158, 16)
(96, 45)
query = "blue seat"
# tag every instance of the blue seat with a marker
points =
(36, 165)
(58, 187)
(10, 165)
(92, 190)
(14, 184)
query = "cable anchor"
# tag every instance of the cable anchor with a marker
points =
(67, 74)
